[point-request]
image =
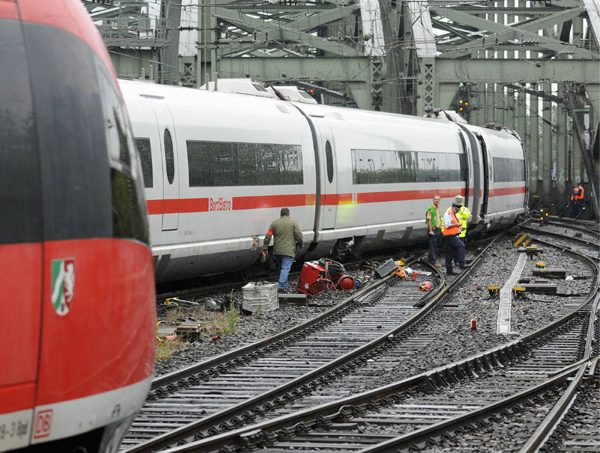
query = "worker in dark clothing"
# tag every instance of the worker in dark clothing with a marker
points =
(577, 201)
(287, 237)
(454, 246)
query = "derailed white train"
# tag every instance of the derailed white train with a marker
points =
(218, 167)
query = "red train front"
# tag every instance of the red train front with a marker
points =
(77, 277)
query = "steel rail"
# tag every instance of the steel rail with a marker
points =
(553, 419)
(574, 372)
(549, 424)
(442, 427)
(222, 359)
(561, 236)
(243, 411)
(583, 225)
(449, 373)
(497, 357)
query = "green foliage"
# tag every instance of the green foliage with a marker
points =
(166, 348)
(232, 317)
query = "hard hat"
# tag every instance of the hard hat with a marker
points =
(459, 198)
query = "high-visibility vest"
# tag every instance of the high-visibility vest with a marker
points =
(451, 231)
(463, 215)
(578, 197)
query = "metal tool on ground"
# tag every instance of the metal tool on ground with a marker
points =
(386, 268)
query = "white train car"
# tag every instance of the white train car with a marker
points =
(218, 167)
(504, 177)
(381, 173)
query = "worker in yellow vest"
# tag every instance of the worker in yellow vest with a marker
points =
(455, 248)
(463, 215)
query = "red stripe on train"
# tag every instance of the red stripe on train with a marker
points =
(506, 191)
(272, 201)
(192, 205)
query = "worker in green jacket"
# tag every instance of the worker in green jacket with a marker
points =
(287, 237)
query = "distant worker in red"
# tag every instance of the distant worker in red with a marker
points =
(455, 248)
(577, 201)
(287, 238)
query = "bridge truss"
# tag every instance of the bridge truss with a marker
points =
(532, 66)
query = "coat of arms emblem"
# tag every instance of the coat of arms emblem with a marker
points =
(63, 284)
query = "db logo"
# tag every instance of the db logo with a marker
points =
(43, 424)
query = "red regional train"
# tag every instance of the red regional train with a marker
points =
(77, 273)
(219, 166)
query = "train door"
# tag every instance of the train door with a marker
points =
(486, 175)
(474, 151)
(170, 176)
(329, 196)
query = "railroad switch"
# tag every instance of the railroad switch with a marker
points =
(532, 251)
(551, 273)
(529, 280)
(518, 292)
(538, 288)
(494, 291)
(539, 264)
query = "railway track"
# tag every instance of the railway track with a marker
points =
(518, 382)
(576, 237)
(264, 373)
(585, 226)
(298, 394)
(579, 429)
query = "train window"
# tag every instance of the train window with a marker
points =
(371, 166)
(219, 164)
(508, 170)
(145, 151)
(329, 157)
(169, 157)
(21, 182)
(128, 207)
